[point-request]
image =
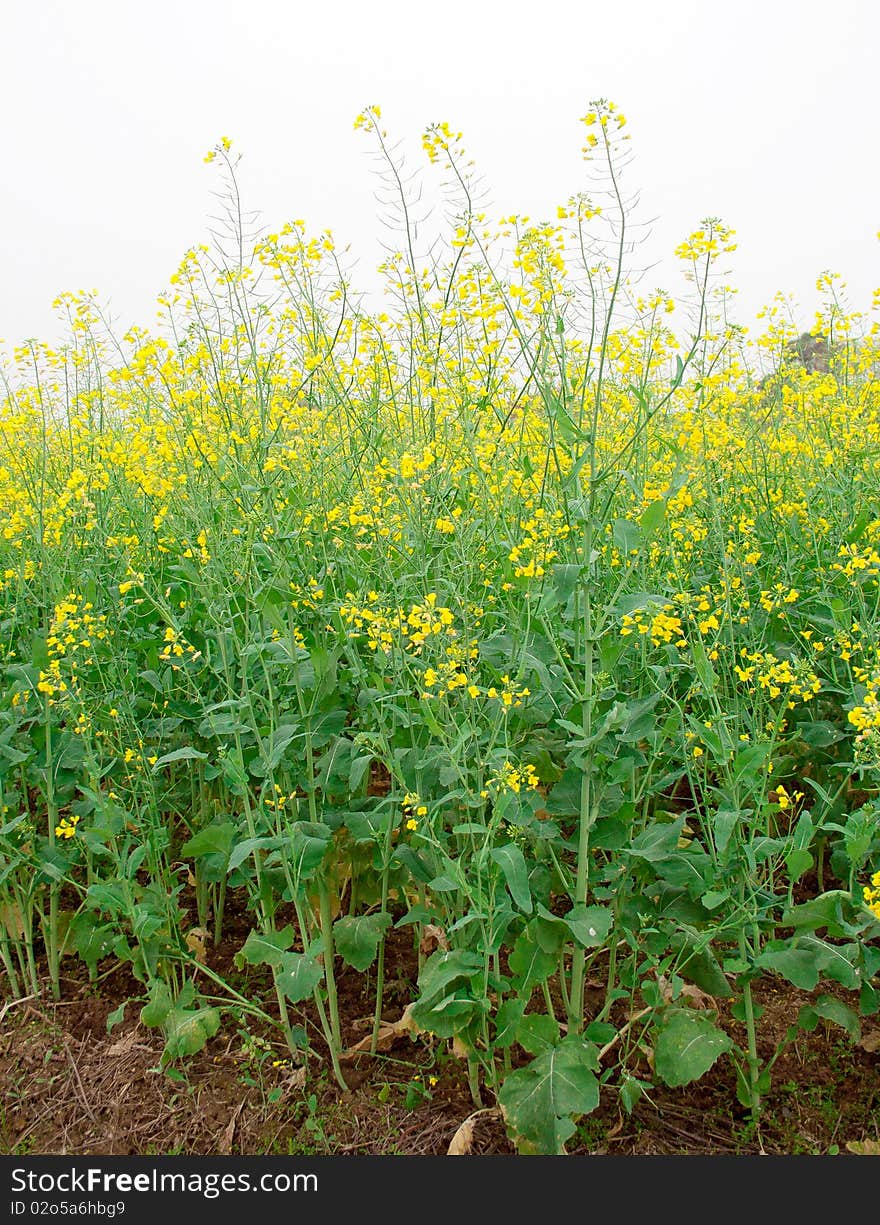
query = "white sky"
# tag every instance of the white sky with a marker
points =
(765, 113)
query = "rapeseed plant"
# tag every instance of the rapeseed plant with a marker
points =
(511, 608)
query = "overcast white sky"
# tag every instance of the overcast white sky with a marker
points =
(765, 113)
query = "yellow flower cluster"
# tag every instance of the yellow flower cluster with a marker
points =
(663, 626)
(871, 895)
(66, 827)
(413, 810)
(513, 778)
(779, 677)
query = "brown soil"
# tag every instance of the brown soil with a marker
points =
(70, 1087)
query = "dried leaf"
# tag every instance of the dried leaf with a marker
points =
(689, 990)
(295, 1079)
(460, 1049)
(196, 942)
(389, 1032)
(126, 1044)
(10, 918)
(864, 1148)
(461, 1143)
(229, 1133)
(433, 938)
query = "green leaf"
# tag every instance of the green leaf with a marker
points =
(507, 1022)
(819, 734)
(540, 1099)
(528, 961)
(797, 863)
(187, 1030)
(157, 1010)
(687, 1045)
(565, 580)
(631, 1090)
(589, 925)
(627, 536)
(807, 959)
(247, 847)
(538, 1033)
(653, 516)
(826, 910)
(657, 841)
(275, 746)
(798, 966)
(357, 939)
(91, 939)
(833, 1010)
(512, 863)
(446, 1005)
(699, 965)
(724, 823)
(443, 968)
(309, 841)
(706, 673)
(212, 840)
(117, 1016)
(266, 948)
(414, 862)
(299, 976)
(185, 754)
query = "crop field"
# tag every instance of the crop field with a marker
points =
(481, 687)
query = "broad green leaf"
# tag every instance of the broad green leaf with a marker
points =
(565, 580)
(529, 963)
(266, 948)
(538, 1033)
(797, 863)
(187, 1030)
(540, 1100)
(156, 1011)
(708, 677)
(830, 1009)
(308, 845)
(246, 848)
(700, 966)
(512, 863)
(653, 516)
(832, 910)
(453, 1014)
(275, 746)
(91, 939)
(819, 734)
(357, 939)
(657, 841)
(444, 968)
(631, 1090)
(724, 822)
(446, 1005)
(798, 966)
(589, 925)
(627, 536)
(807, 959)
(299, 975)
(507, 1021)
(414, 862)
(687, 1045)
(185, 754)
(212, 840)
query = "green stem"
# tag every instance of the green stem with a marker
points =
(51, 934)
